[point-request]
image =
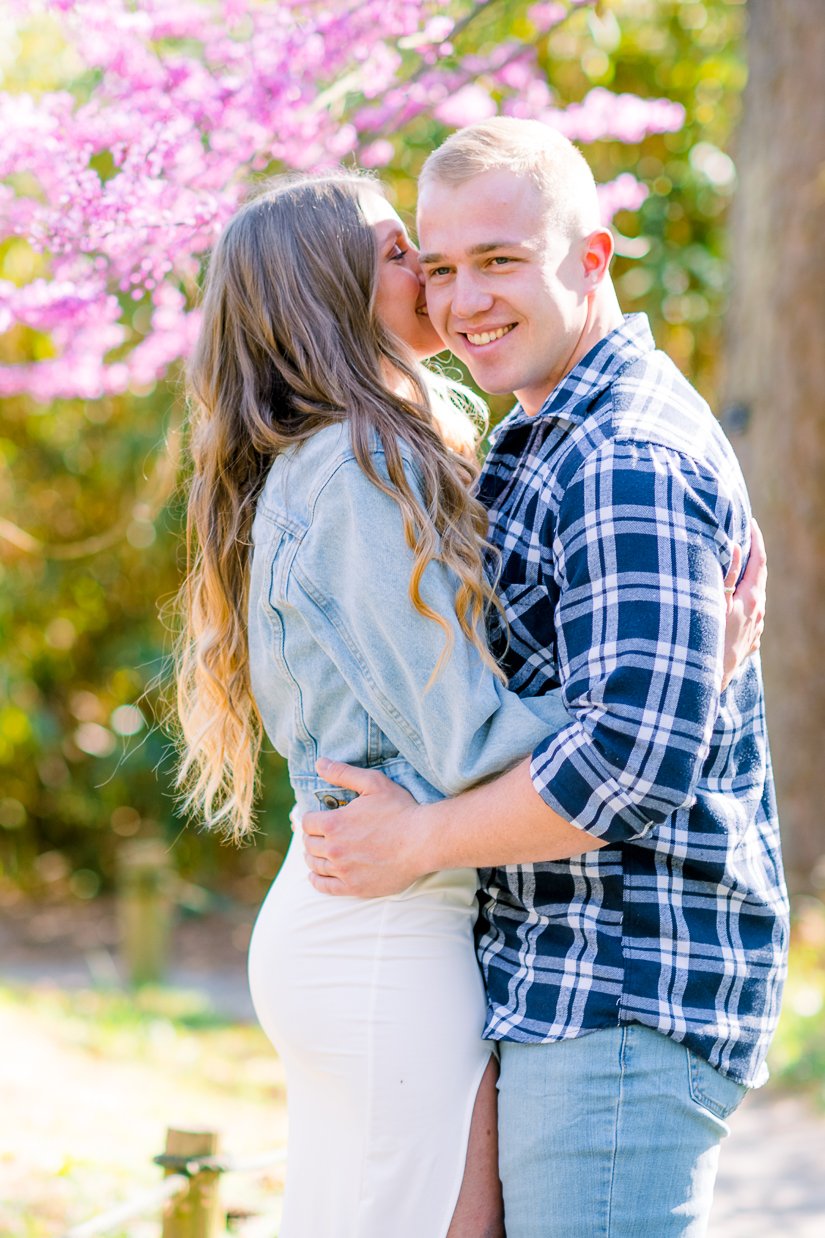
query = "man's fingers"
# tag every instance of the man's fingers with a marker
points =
(326, 885)
(353, 777)
(321, 865)
(315, 823)
(318, 862)
(315, 846)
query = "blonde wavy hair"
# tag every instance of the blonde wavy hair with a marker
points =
(290, 342)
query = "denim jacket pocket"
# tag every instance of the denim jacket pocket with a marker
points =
(712, 1090)
(379, 747)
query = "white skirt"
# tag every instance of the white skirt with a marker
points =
(376, 1007)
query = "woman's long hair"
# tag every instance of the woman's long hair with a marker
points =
(289, 342)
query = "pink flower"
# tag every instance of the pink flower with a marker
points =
(625, 193)
(466, 107)
(377, 154)
(122, 189)
(602, 114)
(545, 16)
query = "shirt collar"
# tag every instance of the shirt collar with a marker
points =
(596, 371)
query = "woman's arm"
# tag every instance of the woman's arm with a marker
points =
(350, 581)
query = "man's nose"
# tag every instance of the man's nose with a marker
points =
(469, 297)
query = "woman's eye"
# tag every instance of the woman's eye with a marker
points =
(396, 253)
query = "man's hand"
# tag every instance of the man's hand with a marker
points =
(745, 605)
(370, 847)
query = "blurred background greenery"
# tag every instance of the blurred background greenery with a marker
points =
(724, 257)
(84, 760)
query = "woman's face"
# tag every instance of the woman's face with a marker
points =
(399, 301)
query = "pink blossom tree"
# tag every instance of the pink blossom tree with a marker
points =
(118, 182)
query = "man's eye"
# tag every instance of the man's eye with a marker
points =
(500, 260)
(437, 271)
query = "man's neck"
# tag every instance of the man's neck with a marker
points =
(604, 315)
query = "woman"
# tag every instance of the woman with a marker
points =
(356, 629)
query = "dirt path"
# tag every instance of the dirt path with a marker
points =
(772, 1171)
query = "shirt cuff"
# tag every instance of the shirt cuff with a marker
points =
(573, 779)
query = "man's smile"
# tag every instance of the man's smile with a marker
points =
(480, 339)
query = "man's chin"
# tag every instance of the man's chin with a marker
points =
(488, 383)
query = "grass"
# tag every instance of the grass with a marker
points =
(91, 1079)
(797, 1057)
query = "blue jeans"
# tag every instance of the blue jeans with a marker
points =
(614, 1134)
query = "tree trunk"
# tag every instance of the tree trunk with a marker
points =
(775, 392)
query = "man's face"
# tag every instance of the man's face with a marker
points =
(505, 290)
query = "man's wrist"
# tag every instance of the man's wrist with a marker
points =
(423, 841)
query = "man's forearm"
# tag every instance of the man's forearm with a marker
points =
(383, 841)
(500, 822)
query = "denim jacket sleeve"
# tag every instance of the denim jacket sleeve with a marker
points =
(350, 581)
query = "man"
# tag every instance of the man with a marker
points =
(633, 918)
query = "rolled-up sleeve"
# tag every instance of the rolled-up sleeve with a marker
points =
(640, 550)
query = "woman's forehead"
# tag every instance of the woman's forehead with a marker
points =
(379, 214)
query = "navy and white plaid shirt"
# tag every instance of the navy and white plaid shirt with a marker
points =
(616, 509)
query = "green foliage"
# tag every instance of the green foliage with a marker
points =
(91, 548)
(798, 1052)
(691, 53)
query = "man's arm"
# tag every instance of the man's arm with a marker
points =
(383, 840)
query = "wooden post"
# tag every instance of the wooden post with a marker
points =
(197, 1213)
(145, 902)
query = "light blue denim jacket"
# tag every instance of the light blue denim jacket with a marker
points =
(339, 657)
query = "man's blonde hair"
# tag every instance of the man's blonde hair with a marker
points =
(525, 148)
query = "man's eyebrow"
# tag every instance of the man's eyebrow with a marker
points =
(484, 247)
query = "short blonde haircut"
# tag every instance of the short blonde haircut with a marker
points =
(525, 148)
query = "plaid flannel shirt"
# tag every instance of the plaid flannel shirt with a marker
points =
(616, 509)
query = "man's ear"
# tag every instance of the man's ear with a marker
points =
(598, 250)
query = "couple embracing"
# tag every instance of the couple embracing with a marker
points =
(525, 953)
